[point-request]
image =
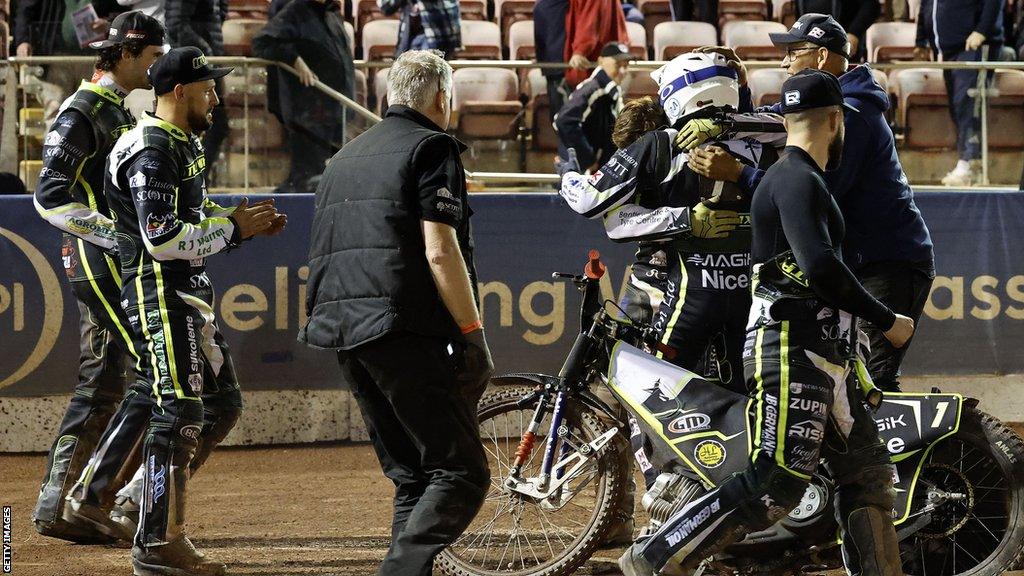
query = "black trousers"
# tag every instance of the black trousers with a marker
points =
(105, 343)
(695, 10)
(904, 288)
(425, 432)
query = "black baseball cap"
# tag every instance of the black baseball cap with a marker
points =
(818, 29)
(133, 25)
(183, 65)
(810, 89)
(616, 50)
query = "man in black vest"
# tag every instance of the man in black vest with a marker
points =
(392, 286)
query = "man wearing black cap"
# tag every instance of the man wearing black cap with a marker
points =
(887, 243)
(587, 119)
(796, 360)
(166, 228)
(70, 197)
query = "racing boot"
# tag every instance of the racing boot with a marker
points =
(870, 545)
(125, 512)
(91, 517)
(632, 563)
(178, 557)
(66, 462)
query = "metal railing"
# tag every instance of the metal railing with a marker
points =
(10, 75)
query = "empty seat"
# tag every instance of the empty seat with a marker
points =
(379, 39)
(1006, 110)
(766, 85)
(913, 7)
(366, 10)
(480, 40)
(641, 84)
(923, 108)
(784, 11)
(743, 10)
(238, 35)
(542, 133)
(265, 132)
(521, 42)
(380, 89)
(350, 35)
(473, 9)
(508, 12)
(888, 41)
(751, 41)
(655, 12)
(637, 40)
(486, 103)
(674, 38)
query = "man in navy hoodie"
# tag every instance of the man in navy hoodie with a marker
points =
(887, 244)
(960, 30)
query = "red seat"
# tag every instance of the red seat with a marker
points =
(751, 41)
(923, 108)
(486, 103)
(888, 41)
(674, 38)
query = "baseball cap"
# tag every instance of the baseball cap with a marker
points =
(133, 25)
(818, 29)
(810, 89)
(616, 50)
(183, 65)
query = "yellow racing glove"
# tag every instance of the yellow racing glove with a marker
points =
(706, 222)
(698, 131)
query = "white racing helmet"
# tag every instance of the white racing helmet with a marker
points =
(693, 81)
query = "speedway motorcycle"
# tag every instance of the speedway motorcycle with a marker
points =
(561, 464)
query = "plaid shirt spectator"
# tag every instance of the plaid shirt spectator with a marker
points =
(426, 24)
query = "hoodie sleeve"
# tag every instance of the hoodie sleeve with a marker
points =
(858, 140)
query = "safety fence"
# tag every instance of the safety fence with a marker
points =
(973, 323)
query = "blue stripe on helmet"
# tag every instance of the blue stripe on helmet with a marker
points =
(694, 77)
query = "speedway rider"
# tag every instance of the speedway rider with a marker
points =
(70, 197)
(796, 360)
(693, 231)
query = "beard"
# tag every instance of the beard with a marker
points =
(199, 121)
(835, 151)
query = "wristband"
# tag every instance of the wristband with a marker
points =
(471, 327)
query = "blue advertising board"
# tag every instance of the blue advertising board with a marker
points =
(973, 324)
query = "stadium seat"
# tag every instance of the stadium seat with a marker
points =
(521, 42)
(913, 7)
(637, 40)
(766, 85)
(674, 38)
(655, 12)
(366, 11)
(265, 132)
(508, 12)
(923, 108)
(751, 41)
(350, 34)
(379, 39)
(742, 10)
(486, 103)
(380, 89)
(238, 35)
(480, 40)
(473, 9)
(882, 78)
(784, 11)
(1006, 111)
(888, 41)
(641, 84)
(543, 136)
(238, 86)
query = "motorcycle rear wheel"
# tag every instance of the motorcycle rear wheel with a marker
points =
(983, 533)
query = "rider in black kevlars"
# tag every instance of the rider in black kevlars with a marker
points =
(797, 359)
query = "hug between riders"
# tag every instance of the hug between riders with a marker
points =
(773, 245)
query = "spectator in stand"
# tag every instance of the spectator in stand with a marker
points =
(426, 25)
(198, 23)
(549, 40)
(152, 8)
(586, 121)
(39, 30)
(695, 11)
(964, 31)
(855, 16)
(632, 13)
(589, 26)
(310, 36)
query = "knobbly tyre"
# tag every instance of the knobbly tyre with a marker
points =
(560, 461)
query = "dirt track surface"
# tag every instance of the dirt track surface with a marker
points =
(321, 510)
